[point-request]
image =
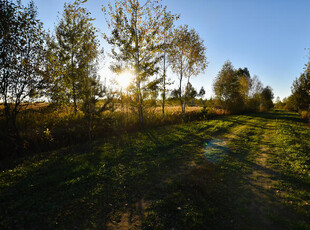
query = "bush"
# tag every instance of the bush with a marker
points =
(305, 115)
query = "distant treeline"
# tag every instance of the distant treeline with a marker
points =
(299, 100)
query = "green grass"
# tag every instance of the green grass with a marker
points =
(160, 179)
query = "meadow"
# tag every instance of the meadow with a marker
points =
(43, 127)
(163, 178)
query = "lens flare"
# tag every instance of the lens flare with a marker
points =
(124, 79)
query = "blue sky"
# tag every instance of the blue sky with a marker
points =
(269, 37)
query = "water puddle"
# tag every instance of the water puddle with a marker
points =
(216, 150)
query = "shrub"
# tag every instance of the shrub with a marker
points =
(305, 115)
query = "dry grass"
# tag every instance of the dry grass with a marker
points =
(43, 127)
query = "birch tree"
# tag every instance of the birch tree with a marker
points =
(167, 36)
(187, 57)
(136, 33)
(78, 49)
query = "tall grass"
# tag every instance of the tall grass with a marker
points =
(43, 127)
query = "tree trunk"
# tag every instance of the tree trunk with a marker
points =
(181, 100)
(139, 96)
(7, 113)
(127, 112)
(180, 88)
(141, 109)
(164, 87)
(186, 94)
(74, 98)
(16, 135)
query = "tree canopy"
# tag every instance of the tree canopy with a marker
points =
(136, 38)
(21, 58)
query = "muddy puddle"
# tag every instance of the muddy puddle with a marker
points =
(216, 150)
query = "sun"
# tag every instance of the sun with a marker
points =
(124, 79)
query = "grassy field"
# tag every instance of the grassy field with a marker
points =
(169, 178)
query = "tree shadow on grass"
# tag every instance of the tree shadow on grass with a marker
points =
(253, 187)
(227, 195)
(89, 186)
(280, 115)
(156, 178)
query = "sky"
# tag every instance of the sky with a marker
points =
(269, 37)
